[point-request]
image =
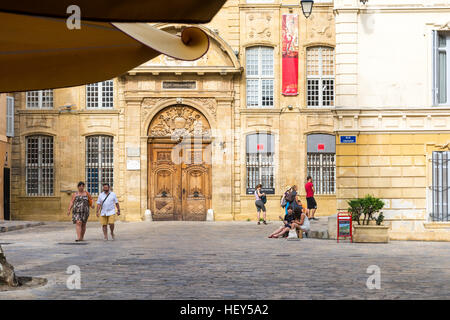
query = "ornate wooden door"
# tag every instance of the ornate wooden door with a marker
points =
(195, 175)
(164, 183)
(179, 176)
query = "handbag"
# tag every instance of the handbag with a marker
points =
(264, 199)
(292, 235)
(90, 199)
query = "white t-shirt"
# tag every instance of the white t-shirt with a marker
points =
(108, 208)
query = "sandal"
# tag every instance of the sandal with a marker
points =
(265, 222)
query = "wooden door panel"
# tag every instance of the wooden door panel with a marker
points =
(164, 183)
(179, 181)
(195, 182)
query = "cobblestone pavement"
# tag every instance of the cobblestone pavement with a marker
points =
(220, 260)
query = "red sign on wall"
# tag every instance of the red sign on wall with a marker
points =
(320, 147)
(260, 147)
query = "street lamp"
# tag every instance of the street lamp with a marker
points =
(307, 6)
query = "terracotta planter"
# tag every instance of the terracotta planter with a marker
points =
(371, 234)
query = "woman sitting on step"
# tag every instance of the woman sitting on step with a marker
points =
(301, 221)
(288, 224)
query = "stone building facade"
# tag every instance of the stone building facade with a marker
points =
(179, 138)
(392, 92)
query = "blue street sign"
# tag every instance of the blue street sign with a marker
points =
(348, 139)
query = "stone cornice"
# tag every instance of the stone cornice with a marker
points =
(185, 70)
(393, 120)
(391, 9)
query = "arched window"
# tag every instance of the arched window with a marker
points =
(321, 162)
(320, 76)
(100, 95)
(39, 166)
(260, 154)
(99, 162)
(260, 77)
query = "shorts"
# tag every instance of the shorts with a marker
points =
(303, 228)
(312, 204)
(105, 220)
(260, 206)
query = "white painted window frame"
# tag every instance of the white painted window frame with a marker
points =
(101, 103)
(260, 77)
(40, 100)
(321, 77)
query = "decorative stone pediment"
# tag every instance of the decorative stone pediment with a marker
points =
(179, 121)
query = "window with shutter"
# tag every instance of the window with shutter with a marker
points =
(441, 68)
(9, 116)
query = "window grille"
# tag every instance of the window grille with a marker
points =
(440, 187)
(39, 166)
(320, 77)
(260, 163)
(322, 168)
(41, 99)
(99, 163)
(260, 77)
(100, 95)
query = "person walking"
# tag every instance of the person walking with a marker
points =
(79, 206)
(259, 203)
(106, 203)
(311, 202)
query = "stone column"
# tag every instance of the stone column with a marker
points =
(131, 160)
(222, 158)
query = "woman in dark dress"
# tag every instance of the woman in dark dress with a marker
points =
(80, 203)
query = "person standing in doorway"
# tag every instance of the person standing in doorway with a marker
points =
(79, 205)
(106, 203)
(259, 203)
(311, 202)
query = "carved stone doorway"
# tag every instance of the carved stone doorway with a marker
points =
(179, 155)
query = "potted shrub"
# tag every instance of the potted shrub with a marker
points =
(370, 228)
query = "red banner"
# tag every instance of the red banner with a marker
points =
(290, 54)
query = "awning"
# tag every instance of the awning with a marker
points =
(176, 11)
(42, 53)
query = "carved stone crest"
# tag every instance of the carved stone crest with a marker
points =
(179, 121)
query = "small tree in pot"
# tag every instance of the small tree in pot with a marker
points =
(370, 207)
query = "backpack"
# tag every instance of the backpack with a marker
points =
(283, 201)
(290, 197)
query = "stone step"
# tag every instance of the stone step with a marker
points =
(7, 226)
